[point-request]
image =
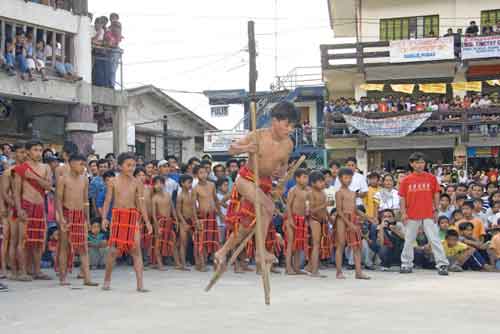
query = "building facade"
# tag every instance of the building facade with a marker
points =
(381, 28)
(59, 109)
(155, 125)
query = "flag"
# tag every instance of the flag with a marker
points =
(379, 87)
(403, 88)
(474, 86)
(436, 88)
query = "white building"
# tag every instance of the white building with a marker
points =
(151, 120)
(57, 110)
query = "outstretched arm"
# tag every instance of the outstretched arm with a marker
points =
(244, 145)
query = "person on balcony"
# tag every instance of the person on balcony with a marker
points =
(101, 59)
(112, 39)
(20, 53)
(35, 64)
(63, 68)
(472, 29)
(7, 61)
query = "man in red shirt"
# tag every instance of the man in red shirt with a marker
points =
(419, 194)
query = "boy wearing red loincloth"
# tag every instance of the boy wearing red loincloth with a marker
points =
(127, 194)
(272, 155)
(206, 234)
(32, 179)
(73, 216)
(348, 225)
(186, 211)
(296, 223)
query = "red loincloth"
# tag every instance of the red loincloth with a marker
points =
(326, 243)
(146, 240)
(77, 222)
(242, 211)
(353, 237)
(208, 236)
(272, 243)
(301, 235)
(167, 236)
(124, 226)
(36, 227)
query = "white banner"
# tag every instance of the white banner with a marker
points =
(219, 141)
(423, 49)
(398, 126)
(481, 47)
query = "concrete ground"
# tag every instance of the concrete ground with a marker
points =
(390, 303)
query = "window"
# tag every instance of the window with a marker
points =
(219, 111)
(409, 27)
(490, 17)
(152, 145)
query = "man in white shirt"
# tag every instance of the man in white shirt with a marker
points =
(358, 184)
(170, 185)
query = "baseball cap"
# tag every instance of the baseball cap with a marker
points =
(162, 163)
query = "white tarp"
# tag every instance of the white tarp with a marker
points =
(398, 126)
(219, 141)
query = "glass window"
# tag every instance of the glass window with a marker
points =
(490, 17)
(409, 27)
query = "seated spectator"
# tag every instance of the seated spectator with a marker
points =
(20, 53)
(65, 69)
(35, 64)
(445, 207)
(7, 60)
(444, 226)
(390, 236)
(493, 215)
(478, 226)
(472, 29)
(423, 253)
(484, 101)
(344, 107)
(98, 247)
(466, 236)
(487, 30)
(443, 106)
(495, 246)
(460, 255)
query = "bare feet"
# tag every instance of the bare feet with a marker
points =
(290, 272)
(64, 282)
(362, 276)
(182, 268)
(318, 275)
(340, 275)
(160, 268)
(106, 286)
(268, 258)
(80, 276)
(301, 273)
(220, 261)
(90, 283)
(142, 290)
(12, 277)
(42, 277)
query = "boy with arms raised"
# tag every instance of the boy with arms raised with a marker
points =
(127, 194)
(73, 216)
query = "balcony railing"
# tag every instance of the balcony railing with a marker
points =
(308, 137)
(107, 67)
(483, 121)
(359, 55)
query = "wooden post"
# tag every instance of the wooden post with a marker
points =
(63, 48)
(259, 228)
(2, 40)
(54, 49)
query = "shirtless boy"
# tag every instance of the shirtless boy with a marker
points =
(163, 225)
(68, 150)
(73, 214)
(271, 156)
(185, 209)
(9, 216)
(207, 208)
(146, 239)
(318, 222)
(32, 179)
(127, 194)
(298, 212)
(348, 224)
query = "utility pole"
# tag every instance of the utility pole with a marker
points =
(165, 136)
(259, 228)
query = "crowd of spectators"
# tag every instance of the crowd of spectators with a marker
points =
(106, 50)
(409, 104)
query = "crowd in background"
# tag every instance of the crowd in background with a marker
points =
(469, 209)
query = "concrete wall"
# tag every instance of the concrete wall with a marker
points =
(452, 13)
(60, 20)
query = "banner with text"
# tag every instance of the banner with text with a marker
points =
(398, 126)
(481, 47)
(219, 141)
(423, 49)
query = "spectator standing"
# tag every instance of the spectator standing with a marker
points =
(7, 60)
(419, 195)
(20, 53)
(387, 198)
(112, 39)
(472, 29)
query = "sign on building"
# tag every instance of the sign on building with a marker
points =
(423, 49)
(219, 141)
(219, 111)
(481, 47)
